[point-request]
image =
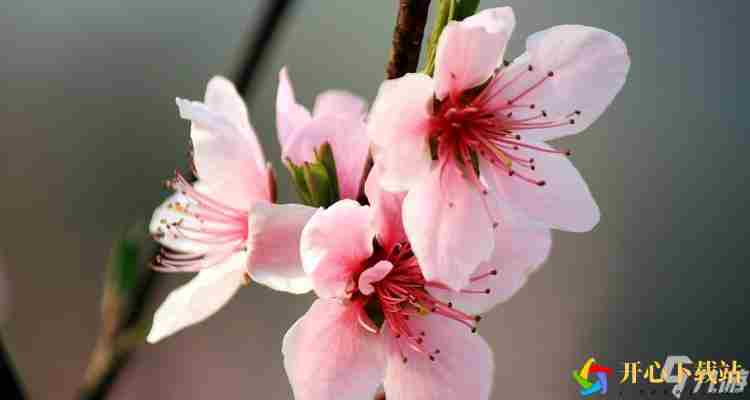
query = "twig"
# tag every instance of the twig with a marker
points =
(407, 37)
(8, 379)
(256, 48)
(404, 56)
(123, 328)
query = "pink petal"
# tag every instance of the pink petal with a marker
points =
(589, 67)
(374, 274)
(564, 202)
(197, 300)
(290, 116)
(469, 51)
(273, 245)
(448, 226)
(386, 207)
(463, 368)
(346, 135)
(398, 127)
(328, 355)
(339, 102)
(335, 243)
(227, 155)
(521, 246)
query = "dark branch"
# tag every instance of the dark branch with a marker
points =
(8, 378)
(122, 323)
(259, 44)
(407, 37)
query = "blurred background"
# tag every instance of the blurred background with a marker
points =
(90, 129)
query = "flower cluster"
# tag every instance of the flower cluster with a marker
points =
(404, 258)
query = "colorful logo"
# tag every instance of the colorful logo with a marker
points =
(599, 375)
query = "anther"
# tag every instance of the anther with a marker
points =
(450, 304)
(420, 340)
(432, 358)
(533, 106)
(495, 225)
(437, 351)
(544, 113)
(506, 63)
(577, 112)
(572, 121)
(487, 291)
(511, 172)
(568, 152)
(493, 272)
(531, 68)
(510, 114)
(451, 204)
(485, 192)
(474, 329)
(478, 318)
(550, 74)
(405, 360)
(541, 183)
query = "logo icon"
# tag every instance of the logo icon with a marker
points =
(598, 381)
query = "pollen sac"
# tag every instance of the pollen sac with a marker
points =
(316, 182)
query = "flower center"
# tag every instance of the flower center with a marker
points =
(402, 294)
(485, 122)
(213, 230)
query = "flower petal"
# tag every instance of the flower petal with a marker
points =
(386, 207)
(589, 68)
(273, 245)
(398, 127)
(346, 135)
(521, 246)
(462, 369)
(374, 274)
(564, 202)
(469, 51)
(227, 155)
(448, 226)
(200, 298)
(290, 116)
(339, 102)
(170, 212)
(328, 355)
(334, 245)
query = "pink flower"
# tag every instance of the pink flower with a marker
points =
(379, 320)
(473, 137)
(224, 225)
(337, 118)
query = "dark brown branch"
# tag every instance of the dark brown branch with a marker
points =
(253, 55)
(404, 57)
(123, 328)
(8, 378)
(407, 37)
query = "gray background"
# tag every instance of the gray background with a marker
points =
(89, 130)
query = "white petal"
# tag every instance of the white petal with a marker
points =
(227, 155)
(273, 246)
(589, 68)
(290, 116)
(197, 300)
(335, 243)
(398, 127)
(463, 368)
(469, 51)
(448, 226)
(328, 355)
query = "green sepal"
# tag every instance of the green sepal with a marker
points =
(465, 9)
(316, 182)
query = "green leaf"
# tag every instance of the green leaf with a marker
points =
(450, 10)
(316, 182)
(124, 265)
(465, 9)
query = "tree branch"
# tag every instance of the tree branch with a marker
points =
(404, 56)
(407, 37)
(123, 328)
(8, 379)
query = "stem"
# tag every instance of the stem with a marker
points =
(256, 48)
(404, 57)
(445, 14)
(8, 378)
(123, 326)
(407, 37)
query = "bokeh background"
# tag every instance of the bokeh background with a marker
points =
(90, 129)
